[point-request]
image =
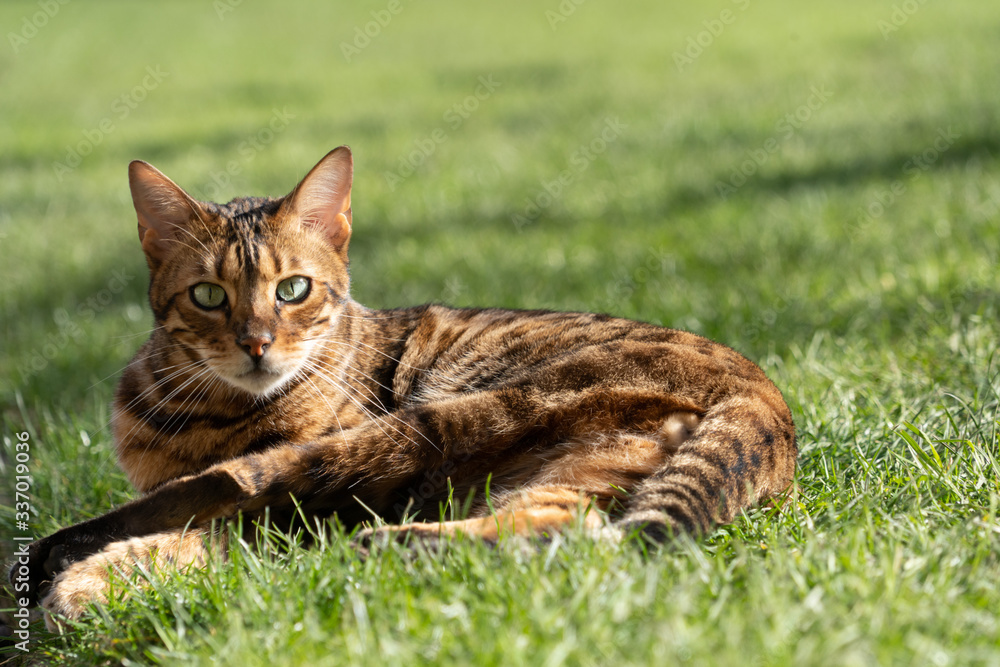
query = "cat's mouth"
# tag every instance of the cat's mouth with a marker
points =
(261, 377)
(260, 381)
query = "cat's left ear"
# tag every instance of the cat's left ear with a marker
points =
(323, 198)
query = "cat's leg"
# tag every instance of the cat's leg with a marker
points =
(89, 580)
(574, 484)
(742, 452)
(368, 462)
(541, 511)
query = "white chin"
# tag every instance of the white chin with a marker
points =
(260, 382)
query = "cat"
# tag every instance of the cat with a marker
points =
(264, 382)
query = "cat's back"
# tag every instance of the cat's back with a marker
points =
(454, 350)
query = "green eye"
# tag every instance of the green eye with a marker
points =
(293, 289)
(207, 295)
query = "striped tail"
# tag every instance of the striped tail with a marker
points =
(743, 452)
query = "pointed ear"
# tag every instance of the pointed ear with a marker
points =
(162, 207)
(323, 198)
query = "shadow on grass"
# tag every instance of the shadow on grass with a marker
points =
(55, 353)
(93, 295)
(897, 165)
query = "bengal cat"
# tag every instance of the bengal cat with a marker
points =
(264, 382)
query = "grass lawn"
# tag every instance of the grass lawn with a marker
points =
(817, 186)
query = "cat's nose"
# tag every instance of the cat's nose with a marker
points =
(256, 345)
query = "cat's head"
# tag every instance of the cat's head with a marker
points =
(247, 290)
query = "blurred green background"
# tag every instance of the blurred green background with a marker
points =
(639, 229)
(817, 186)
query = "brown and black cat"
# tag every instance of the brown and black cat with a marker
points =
(264, 382)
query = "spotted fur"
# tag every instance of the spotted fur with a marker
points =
(246, 405)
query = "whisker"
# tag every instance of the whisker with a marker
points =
(193, 396)
(378, 419)
(374, 349)
(163, 400)
(163, 430)
(208, 253)
(370, 379)
(374, 396)
(186, 245)
(134, 359)
(124, 337)
(333, 411)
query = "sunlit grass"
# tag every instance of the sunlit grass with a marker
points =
(855, 260)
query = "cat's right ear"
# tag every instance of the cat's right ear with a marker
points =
(162, 207)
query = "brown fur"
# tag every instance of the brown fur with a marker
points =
(258, 401)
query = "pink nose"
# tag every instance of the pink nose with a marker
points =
(255, 345)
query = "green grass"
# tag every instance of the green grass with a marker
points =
(882, 330)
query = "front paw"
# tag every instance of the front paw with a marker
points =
(74, 589)
(413, 536)
(40, 563)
